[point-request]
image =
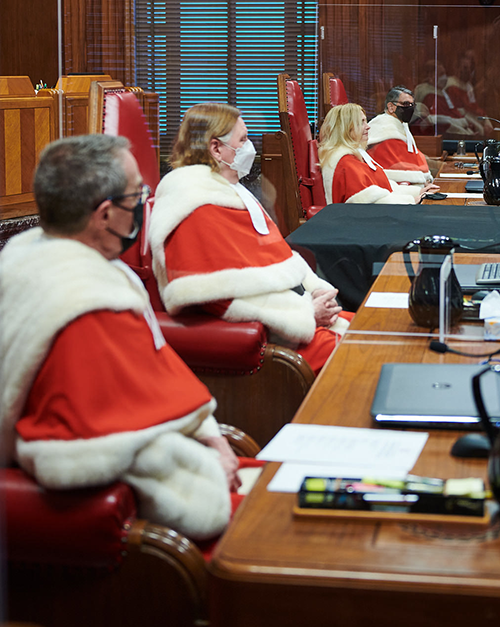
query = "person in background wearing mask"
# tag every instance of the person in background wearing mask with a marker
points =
(391, 144)
(90, 391)
(215, 247)
(461, 91)
(436, 106)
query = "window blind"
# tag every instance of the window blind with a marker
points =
(228, 51)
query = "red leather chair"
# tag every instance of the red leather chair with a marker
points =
(301, 169)
(333, 92)
(116, 110)
(83, 557)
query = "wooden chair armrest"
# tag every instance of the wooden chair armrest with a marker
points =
(241, 443)
(177, 552)
(261, 403)
(291, 358)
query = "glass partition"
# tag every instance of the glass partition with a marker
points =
(386, 311)
(445, 54)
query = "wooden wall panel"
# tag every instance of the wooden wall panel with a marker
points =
(98, 37)
(12, 131)
(28, 147)
(46, 129)
(26, 126)
(2, 156)
(28, 39)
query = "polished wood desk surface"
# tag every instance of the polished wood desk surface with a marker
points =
(450, 185)
(273, 569)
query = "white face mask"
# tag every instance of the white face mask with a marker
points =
(243, 158)
(442, 80)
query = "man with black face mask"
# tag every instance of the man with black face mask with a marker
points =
(391, 144)
(91, 393)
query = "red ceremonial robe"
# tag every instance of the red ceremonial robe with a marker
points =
(463, 96)
(388, 146)
(103, 375)
(348, 179)
(188, 251)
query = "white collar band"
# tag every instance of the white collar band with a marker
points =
(254, 209)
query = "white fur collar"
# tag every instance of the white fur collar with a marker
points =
(454, 81)
(46, 282)
(385, 126)
(176, 197)
(425, 89)
(328, 169)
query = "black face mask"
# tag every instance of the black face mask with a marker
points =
(128, 240)
(404, 114)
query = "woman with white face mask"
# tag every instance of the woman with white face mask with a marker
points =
(215, 247)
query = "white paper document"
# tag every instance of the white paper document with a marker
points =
(464, 195)
(346, 447)
(389, 300)
(458, 175)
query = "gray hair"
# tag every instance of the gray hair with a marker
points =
(74, 175)
(394, 93)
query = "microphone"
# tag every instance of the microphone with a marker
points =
(485, 117)
(441, 347)
(438, 347)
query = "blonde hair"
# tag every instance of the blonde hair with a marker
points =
(202, 123)
(341, 122)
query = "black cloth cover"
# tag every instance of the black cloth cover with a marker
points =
(351, 242)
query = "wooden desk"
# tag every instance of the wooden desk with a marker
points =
(271, 569)
(450, 185)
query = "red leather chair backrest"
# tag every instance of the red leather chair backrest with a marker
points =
(300, 131)
(337, 92)
(305, 148)
(139, 258)
(317, 188)
(83, 528)
(123, 115)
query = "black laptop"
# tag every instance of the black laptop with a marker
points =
(474, 186)
(433, 396)
(472, 278)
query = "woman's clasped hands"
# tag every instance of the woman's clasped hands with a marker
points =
(326, 308)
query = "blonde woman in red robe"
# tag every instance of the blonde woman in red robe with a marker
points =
(215, 247)
(350, 175)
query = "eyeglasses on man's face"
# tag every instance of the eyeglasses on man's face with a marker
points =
(141, 196)
(405, 105)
